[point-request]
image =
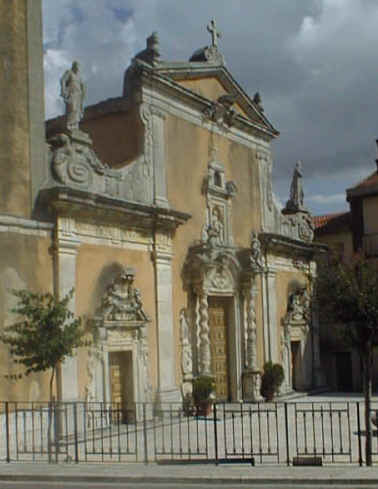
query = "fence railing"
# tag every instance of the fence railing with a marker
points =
(256, 433)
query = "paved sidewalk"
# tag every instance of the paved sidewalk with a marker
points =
(346, 475)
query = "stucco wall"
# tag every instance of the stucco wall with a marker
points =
(25, 262)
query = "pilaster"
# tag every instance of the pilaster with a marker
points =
(162, 256)
(66, 247)
(270, 316)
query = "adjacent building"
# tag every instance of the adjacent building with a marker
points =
(346, 234)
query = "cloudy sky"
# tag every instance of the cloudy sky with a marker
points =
(313, 61)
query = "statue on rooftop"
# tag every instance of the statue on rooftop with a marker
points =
(73, 92)
(295, 203)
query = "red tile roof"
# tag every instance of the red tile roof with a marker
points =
(370, 181)
(330, 223)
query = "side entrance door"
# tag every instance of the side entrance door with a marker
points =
(218, 316)
(120, 368)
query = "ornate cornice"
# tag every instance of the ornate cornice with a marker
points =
(80, 203)
(276, 243)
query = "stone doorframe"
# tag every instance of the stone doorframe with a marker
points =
(122, 327)
(214, 272)
(296, 327)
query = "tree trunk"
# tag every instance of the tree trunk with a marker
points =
(368, 370)
(50, 411)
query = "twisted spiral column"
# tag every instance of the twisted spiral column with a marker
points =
(251, 354)
(205, 355)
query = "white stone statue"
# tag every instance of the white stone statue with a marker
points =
(256, 254)
(73, 93)
(296, 190)
(299, 305)
(217, 224)
(186, 349)
(145, 361)
(286, 357)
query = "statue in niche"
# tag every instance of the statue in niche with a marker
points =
(217, 224)
(145, 360)
(256, 258)
(286, 357)
(73, 93)
(186, 349)
(299, 306)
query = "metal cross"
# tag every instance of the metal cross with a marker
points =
(212, 28)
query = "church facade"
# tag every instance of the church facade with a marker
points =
(157, 208)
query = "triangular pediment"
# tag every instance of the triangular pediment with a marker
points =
(213, 82)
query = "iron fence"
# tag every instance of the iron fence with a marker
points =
(255, 433)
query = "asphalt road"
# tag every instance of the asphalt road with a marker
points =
(141, 485)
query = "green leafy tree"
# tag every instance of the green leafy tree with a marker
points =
(45, 334)
(347, 295)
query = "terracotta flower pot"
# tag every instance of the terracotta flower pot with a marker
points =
(203, 408)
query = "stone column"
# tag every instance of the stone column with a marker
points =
(158, 138)
(251, 375)
(66, 246)
(204, 333)
(167, 389)
(270, 317)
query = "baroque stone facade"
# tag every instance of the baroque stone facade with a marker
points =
(157, 208)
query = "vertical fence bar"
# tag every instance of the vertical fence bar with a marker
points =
(349, 434)
(360, 460)
(86, 409)
(331, 418)
(242, 428)
(7, 430)
(145, 434)
(33, 432)
(76, 434)
(313, 428)
(56, 436)
(259, 425)
(287, 435)
(215, 433)
(277, 436)
(322, 421)
(16, 431)
(296, 427)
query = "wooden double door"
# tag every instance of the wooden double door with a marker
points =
(219, 322)
(121, 384)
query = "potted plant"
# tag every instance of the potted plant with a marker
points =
(203, 388)
(271, 380)
(187, 405)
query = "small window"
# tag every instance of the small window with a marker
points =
(217, 179)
